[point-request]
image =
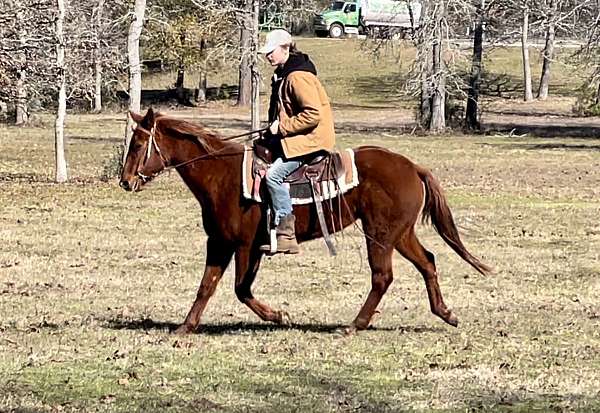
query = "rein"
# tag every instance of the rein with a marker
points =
(245, 134)
(153, 144)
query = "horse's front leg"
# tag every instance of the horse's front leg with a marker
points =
(247, 262)
(218, 256)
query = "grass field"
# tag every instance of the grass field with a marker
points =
(355, 78)
(92, 279)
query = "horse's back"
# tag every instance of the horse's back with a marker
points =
(378, 161)
(389, 181)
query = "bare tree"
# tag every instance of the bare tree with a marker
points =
(21, 112)
(135, 70)
(548, 53)
(588, 57)
(437, 76)
(21, 109)
(255, 113)
(246, 23)
(430, 66)
(97, 25)
(438, 69)
(472, 113)
(527, 84)
(557, 15)
(59, 124)
(27, 37)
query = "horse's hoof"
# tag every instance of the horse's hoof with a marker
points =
(183, 330)
(349, 331)
(451, 319)
(283, 318)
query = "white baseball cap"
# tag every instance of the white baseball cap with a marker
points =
(278, 37)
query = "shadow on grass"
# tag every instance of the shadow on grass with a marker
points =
(338, 392)
(182, 96)
(25, 178)
(545, 131)
(380, 90)
(342, 106)
(508, 86)
(516, 402)
(240, 327)
(547, 146)
(385, 90)
(334, 392)
(555, 113)
(35, 178)
(368, 128)
(96, 140)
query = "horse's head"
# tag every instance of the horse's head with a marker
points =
(144, 158)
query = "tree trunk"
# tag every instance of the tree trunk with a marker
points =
(21, 112)
(180, 69)
(59, 126)
(425, 106)
(528, 91)
(246, 51)
(202, 78)
(98, 57)
(472, 118)
(22, 115)
(97, 83)
(438, 99)
(201, 95)
(135, 69)
(548, 54)
(255, 73)
(180, 76)
(201, 91)
(424, 59)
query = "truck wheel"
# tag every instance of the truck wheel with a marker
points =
(336, 31)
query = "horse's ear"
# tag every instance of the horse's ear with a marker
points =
(137, 118)
(149, 118)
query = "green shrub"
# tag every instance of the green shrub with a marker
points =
(587, 103)
(113, 165)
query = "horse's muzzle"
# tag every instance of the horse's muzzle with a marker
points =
(125, 185)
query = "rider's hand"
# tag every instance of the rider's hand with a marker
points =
(274, 127)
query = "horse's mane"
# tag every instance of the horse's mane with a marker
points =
(209, 139)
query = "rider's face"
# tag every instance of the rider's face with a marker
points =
(278, 56)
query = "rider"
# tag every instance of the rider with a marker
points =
(301, 124)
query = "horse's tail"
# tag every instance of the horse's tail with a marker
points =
(437, 211)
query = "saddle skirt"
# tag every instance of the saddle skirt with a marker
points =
(331, 174)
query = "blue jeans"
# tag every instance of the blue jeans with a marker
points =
(280, 195)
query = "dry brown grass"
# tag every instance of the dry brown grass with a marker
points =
(92, 279)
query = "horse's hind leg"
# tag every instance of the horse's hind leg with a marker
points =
(411, 249)
(247, 262)
(380, 261)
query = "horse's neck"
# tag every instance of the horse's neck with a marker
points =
(208, 176)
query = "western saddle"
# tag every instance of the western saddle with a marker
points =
(322, 166)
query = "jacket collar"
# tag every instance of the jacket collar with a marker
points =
(296, 63)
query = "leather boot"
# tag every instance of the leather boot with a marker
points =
(286, 237)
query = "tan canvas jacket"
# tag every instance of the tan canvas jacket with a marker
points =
(305, 116)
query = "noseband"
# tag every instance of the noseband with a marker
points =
(152, 144)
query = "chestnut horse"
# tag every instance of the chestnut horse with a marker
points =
(392, 193)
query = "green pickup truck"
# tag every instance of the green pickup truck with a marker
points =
(371, 17)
